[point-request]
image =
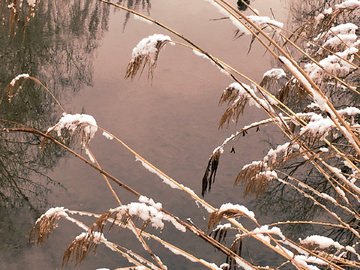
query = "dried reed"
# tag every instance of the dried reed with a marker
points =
(319, 129)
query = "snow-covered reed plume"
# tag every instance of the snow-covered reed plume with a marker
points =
(84, 124)
(146, 53)
(83, 245)
(73, 122)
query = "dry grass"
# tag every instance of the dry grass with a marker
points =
(143, 60)
(210, 171)
(324, 150)
(80, 248)
(40, 231)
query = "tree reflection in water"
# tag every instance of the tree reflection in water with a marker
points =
(56, 46)
(134, 5)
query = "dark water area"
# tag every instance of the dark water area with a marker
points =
(80, 51)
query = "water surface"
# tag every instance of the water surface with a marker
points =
(172, 121)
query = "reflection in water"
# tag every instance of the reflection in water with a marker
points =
(241, 4)
(134, 5)
(57, 47)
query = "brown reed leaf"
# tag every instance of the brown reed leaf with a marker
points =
(249, 172)
(233, 112)
(210, 171)
(292, 91)
(229, 95)
(81, 247)
(46, 224)
(257, 185)
(235, 247)
(256, 176)
(216, 216)
(39, 233)
(220, 232)
(119, 218)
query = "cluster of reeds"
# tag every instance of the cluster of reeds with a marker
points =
(323, 132)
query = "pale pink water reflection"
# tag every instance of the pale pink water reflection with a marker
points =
(171, 122)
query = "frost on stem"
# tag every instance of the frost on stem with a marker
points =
(146, 53)
(211, 169)
(46, 224)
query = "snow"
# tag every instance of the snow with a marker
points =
(31, 3)
(327, 197)
(166, 180)
(98, 237)
(73, 121)
(273, 230)
(347, 28)
(296, 72)
(137, 17)
(349, 4)
(238, 24)
(342, 194)
(147, 46)
(219, 149)
(272, 154)
(263, 21)
(107, 135)
(241, 208)
(144, 199)
(318, 126)
(322, 241)
(328, 11)
(178, 252)
(243, 264)
(54, 212)
(146, 213)
(18, 77)
(210, 265)
(275, 73)
(201, 55)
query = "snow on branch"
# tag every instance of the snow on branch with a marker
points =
(147, 210)
(265, 22)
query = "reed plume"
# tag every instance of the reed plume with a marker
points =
(81, 247)
(46, 224)
(211, 169)
(146, 53)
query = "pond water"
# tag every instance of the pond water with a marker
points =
(80, 52)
